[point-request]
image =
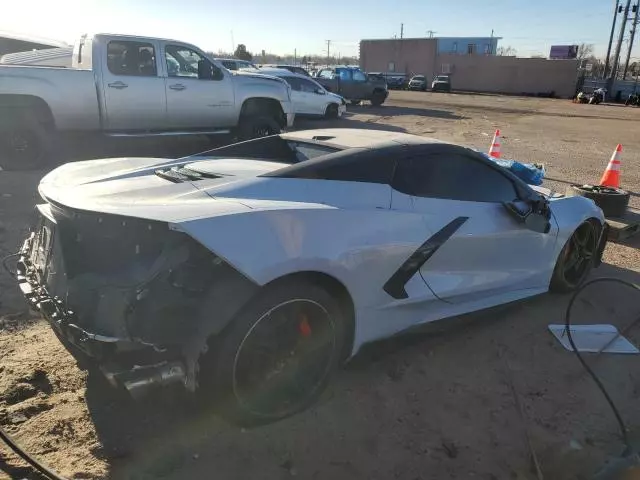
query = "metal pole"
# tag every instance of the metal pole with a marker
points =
(328, 47)
(616, 56)
(613, 29)
(633, 34)
(401, 31)
(295, 56)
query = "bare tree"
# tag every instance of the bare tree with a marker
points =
(585, 50)
(506, 51)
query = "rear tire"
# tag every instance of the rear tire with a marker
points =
(576, 259)
(277, 355)
(331, 112)
(378, 98)
(612, 201)
(25, 144)
(258, 126)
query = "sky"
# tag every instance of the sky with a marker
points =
(280, 26)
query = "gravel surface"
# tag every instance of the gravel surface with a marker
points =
(435, 404)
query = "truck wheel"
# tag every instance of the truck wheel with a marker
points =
(331, 112)
(377, 98)
(24, 145)
(612, 201)
(258, 126)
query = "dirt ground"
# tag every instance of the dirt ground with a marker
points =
(465, 398)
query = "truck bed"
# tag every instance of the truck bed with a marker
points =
(70, 93)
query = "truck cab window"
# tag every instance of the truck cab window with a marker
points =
(183, 62)
(359, 76)
(345, 74)
(131, 58)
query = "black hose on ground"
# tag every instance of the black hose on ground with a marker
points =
(567, 318)
(39, 467)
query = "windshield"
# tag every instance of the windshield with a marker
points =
(418, 77)
(441, 79)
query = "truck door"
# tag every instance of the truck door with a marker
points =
(199, 93)
(134, 92)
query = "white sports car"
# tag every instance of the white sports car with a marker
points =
(252, 273)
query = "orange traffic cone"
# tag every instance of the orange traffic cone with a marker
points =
(494, 149)
(611, 175)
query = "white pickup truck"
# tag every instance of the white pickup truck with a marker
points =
(133, 86)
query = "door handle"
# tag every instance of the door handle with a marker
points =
(177, 86)
(118, 85)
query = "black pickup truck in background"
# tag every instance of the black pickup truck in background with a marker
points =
(353, 84)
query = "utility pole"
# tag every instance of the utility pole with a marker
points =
(431, 32)
(401, 31)
(616, 55)
(295, 56)
(329, 47)
(613, 29)
(634, 23)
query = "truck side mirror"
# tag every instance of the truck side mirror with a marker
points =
(205, 70)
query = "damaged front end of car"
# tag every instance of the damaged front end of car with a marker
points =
(131, 295)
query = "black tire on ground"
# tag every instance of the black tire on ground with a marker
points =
(576, 259)
(25, 144)
(354, 102)
(331, 112)
(612, 201)
(240, 368)
(258, 126)
(378, 98)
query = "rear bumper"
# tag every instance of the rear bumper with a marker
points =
(126, 362)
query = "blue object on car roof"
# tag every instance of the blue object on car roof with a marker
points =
(527, 172)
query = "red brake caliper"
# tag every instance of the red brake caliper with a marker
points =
(304, 327)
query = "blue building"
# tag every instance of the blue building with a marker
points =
(467, 45)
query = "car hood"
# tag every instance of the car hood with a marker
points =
(250, 75)
(131, 187)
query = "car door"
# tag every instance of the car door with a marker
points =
(477, 249)
(297, 95)
(315, 96)
(133, 89)
(199, 94)
(359, 85)
(345, 83)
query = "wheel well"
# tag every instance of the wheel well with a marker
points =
(268, 106)
(335, 288)
(36, 107)
(596, 225)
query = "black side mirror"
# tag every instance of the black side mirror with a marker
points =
(205, 70)
(534, 213)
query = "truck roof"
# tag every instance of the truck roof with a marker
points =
(121, 35)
